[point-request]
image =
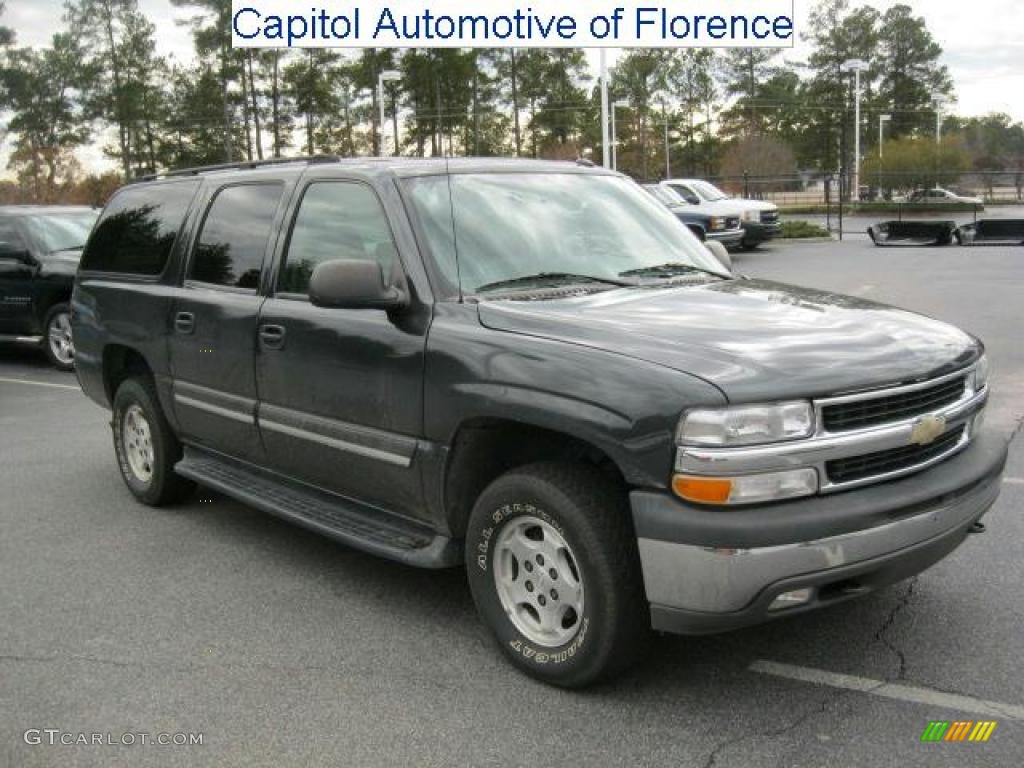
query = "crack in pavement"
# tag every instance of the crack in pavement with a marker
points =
(1017, 430)
(881, 634)
(820, 709)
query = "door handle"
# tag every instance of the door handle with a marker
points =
(272, 336)
(184, 322)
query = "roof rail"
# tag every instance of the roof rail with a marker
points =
(243, 165)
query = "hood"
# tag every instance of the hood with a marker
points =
(718, 208)
(755, 205)
(754, 339)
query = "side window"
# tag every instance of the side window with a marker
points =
(336, 220)
(10, 239)
(234, 236)
(138, 227)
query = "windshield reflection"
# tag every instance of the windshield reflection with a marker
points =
(497, 227)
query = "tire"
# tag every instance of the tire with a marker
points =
(57, 343)
(603, 626)
(146, 448)
(748, 247)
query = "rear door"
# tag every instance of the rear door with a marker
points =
(213, 319)
(341, 389)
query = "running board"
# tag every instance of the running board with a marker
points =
(361, 526)
(16, 339)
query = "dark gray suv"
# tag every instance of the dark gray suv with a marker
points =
(535, 370)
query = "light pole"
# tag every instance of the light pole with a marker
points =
(668, 163)
(615, 135)
(882, 120)
(856, 66)
(605, 149)
(939, 103)
(385, 76)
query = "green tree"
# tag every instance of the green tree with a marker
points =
(211, 32)
(910, 70)
(309, 81)
(838, 35)
(641, 76)
(47, 125)
(743, 70)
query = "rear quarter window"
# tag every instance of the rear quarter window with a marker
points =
(137, 229)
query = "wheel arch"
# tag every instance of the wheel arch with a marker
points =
(484, 448)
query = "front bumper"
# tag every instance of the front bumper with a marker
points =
(756, 232)
(713, 570)
(729, 238)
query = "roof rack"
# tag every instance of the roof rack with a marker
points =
(243, 165)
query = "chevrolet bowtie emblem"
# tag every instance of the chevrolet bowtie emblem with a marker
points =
(927, 429)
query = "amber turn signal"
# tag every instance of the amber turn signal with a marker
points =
(703, 490)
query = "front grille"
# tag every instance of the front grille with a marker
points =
(769, 217)
(732, 222)
(881, 410)
(873, 464)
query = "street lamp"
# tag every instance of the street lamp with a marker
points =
(856, 66)
(615, 136)
(939, 103)
(605, 149)
(386, 76)
(882, 120)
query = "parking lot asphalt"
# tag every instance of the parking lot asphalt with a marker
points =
(283, 648)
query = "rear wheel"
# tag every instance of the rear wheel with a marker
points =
(146, 448)
(58, 344)
(553, 567)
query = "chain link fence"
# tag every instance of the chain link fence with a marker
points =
(819, 190)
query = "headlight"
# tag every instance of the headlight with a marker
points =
(979, 378)
(751, 215)
(746, 424)
(717, 223)
(746, 489)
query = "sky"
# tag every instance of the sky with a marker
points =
(983, 44)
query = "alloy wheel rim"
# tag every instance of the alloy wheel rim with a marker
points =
(538, 581)
(61, 344)
(138, 443)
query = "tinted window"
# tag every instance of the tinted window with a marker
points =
(336, 220)
(137, 229)
(234, 236)
(10, 240)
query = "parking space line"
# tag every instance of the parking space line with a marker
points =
(1014, 480)
(37, 383)
(909, 693)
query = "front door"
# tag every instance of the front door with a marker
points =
(213, 321)
(16, 273)
(341, 389)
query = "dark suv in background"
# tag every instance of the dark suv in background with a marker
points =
(537, 371)
(39, 251)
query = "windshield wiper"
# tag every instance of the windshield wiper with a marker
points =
(69, 248)
(667, 270)
(549, 277)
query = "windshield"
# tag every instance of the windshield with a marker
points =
(61, 231)
(667, 195)
(507, 226)
(709, 191)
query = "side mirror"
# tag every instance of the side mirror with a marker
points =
(693, 199)
(719, 252)
(9, 252)
(353, 284)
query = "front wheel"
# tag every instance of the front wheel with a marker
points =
(553, 567)
(58, 344)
